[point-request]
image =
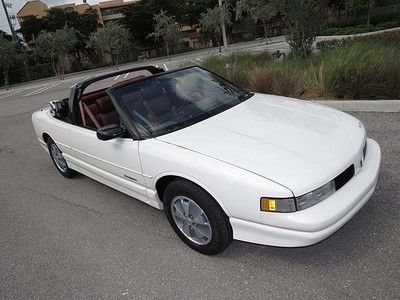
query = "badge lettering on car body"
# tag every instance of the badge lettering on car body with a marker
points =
(129, 177)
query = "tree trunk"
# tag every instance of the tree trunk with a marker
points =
(117, 60)
(79, 58)
(53, 65)
(167, 48)
(368, 14)
(26, 70)
(217, 39)
(59, 66)
(6, 82)
(265, 32)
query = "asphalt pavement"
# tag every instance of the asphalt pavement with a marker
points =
(77, 239)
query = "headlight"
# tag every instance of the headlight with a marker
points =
(299, 203)
(315, 196)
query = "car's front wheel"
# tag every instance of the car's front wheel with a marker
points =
(196, 217)
(59, 160)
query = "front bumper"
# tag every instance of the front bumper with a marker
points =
(309, 226)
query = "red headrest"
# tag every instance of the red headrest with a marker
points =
(93, 95)
(94, 108)
(105, 105)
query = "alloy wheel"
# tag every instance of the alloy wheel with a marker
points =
(191, 220)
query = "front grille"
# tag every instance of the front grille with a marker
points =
(344, 177)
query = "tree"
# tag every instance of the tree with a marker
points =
(337, 6)
(109, 41)
(191, 10)
(86, 23)
(31, 27)
(56, 18)
(260, 10)
(8, 56)
(138, 18)
(55, 47)
(167, 30)
(210, 22)
(5, 35)
(303, 20)
(356, 6)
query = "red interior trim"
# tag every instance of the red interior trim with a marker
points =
(94, 95)
(89, 113)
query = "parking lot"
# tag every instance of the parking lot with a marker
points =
(76, 238)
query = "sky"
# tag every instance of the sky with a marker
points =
(17, 4)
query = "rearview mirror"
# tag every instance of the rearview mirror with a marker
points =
(110, 132)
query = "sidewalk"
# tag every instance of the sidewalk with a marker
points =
(362, 105)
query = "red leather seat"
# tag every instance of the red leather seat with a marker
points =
(102, 110)
(94, 109)
(107, 115)
(100, 106)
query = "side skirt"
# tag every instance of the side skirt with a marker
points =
(134, 190)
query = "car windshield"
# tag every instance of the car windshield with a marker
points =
(171, 101)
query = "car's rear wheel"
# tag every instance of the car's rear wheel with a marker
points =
(59, 160)
(196, 217)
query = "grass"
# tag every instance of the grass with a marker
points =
(365, 68)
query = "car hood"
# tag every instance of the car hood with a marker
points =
(295, 143)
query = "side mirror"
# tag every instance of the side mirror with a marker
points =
(110, 132)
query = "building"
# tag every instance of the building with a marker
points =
(106, 10)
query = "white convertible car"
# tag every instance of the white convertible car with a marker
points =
(223, 163)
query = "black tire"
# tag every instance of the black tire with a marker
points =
(221, 236)
(66, 172)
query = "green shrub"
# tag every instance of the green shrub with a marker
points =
(378, 15)
(361, 28)
(280, 80)
(358, 71)
(381, 18)
(367, 67)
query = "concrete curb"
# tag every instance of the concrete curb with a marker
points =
(363, 105)
(335, 37)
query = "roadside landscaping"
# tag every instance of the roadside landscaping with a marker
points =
(357, 68)
(381, 18)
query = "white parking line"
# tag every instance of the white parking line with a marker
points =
(9, 93)
(38, 90)
(117, 77)
(165, 67)
(126, 75)
(42, 89)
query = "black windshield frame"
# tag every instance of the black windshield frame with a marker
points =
(133, 127)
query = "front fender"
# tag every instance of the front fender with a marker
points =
(236, 190)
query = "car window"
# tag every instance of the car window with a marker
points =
(171, 101)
